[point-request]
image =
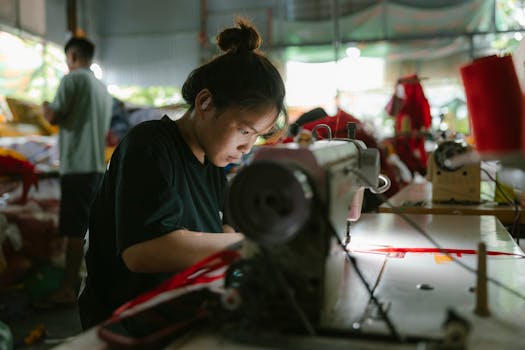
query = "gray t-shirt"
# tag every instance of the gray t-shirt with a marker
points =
(84, 106)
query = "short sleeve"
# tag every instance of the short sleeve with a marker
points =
(64, 96)
(147, 204)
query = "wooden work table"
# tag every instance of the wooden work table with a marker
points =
(416, 198)
(396, 260)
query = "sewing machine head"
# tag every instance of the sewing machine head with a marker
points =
(292, 202)
(275, 197)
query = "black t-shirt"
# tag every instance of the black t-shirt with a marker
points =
(154, 185)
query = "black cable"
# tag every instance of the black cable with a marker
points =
(398, 212)
(353, 261)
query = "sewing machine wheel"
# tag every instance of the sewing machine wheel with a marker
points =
(448, 150)
(270, 202)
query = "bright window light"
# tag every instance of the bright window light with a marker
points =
(314, 84)
(353, 52)
(360, 73)
(26, 56)
(95, 68)
(310, 84)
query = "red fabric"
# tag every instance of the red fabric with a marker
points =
(400, 252)
(165, 311)
(413, 106)
(337, 124)
(200, 273)
(411, 151)
(494, 101)
(415, 109)
(11, 166)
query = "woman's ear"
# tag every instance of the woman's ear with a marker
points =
(206, 103)
(203, 100)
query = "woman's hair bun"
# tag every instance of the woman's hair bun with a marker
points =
(243, 37)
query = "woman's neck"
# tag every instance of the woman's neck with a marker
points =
(186, 126)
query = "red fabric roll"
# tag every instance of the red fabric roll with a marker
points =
(494, 102)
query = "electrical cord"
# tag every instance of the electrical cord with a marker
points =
(398, 212)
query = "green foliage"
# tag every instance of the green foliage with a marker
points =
(30, 70)
(155, 96)
(506, 44)
(509, 14)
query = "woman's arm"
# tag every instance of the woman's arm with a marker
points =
(177, 250)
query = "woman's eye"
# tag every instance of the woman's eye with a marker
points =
(244, 132)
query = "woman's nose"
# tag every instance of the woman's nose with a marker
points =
(247, 146)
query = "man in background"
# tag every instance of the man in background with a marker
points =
(82, 110)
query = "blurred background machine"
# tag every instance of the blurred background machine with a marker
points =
(460, 183)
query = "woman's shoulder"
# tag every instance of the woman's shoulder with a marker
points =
(158, 128)
(153, 136)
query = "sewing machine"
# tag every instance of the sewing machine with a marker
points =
(294, 204)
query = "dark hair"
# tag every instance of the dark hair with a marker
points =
(84, 48)
(240, 77)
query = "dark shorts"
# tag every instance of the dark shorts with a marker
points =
(77, 193)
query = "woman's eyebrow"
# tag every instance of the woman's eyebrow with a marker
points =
(250, 126)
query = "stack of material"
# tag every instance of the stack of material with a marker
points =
(26, 119)
(29, 236)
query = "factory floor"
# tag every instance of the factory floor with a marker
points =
(36, 329)
(42, 329)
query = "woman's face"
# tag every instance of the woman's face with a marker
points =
(226, 137)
